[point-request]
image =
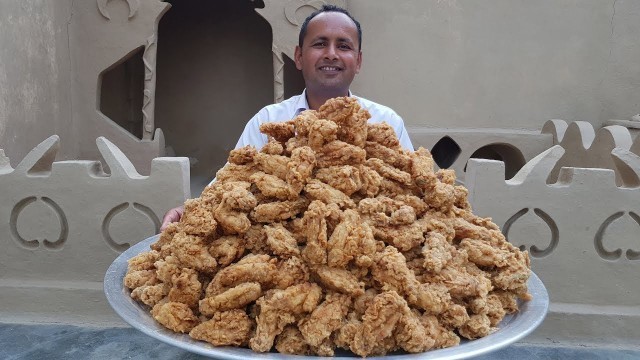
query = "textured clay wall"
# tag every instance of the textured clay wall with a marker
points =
(502, 63)
(35, 93)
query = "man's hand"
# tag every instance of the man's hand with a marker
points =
(172, 216)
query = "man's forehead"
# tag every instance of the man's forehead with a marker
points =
(332, 20)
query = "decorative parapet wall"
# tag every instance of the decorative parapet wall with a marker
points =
(587, 147)
(452, 148)
(103, 34)
(582, 234)
(63, 223)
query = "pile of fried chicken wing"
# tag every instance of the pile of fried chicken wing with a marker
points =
(331, 237)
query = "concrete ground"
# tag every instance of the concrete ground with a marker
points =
(52, 342)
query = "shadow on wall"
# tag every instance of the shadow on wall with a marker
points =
(214, 72)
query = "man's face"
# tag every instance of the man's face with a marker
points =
(329, 57)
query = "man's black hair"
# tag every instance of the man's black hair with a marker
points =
(328, 8)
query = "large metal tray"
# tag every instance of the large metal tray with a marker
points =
(511, 329)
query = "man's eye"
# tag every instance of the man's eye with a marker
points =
(345, 47)
(318, 44)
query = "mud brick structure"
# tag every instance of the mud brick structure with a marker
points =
(580, 227)
(62, 223)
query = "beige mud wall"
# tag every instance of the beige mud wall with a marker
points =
(503, 63)
(35, 78)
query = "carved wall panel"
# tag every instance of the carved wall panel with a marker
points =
(68, 220)
(103, 34)
(582, 231)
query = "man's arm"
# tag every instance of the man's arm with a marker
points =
(251, 134)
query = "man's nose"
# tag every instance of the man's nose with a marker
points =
(331, 52)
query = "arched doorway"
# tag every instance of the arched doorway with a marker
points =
(214, 72)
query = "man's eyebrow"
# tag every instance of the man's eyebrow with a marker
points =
(325, 38)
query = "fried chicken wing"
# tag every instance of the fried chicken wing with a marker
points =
(251, 268)
(236, 297)
(300, 168)
(225, 328)
(331, 236)
(281, 242)
(281, 309)
(338, 152)
(243, 155)
(352, 239)
(317, 190)
(278, 210)
(393, 157)
(175, 316)
(272, 164)
(345, 178)
(325, 319)
(339, 280)
(186, 288)
(197, 218)
(281, 131)
(383, 134)
(315, 225)
(271, 185)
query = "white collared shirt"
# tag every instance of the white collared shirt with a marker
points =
(290, 108)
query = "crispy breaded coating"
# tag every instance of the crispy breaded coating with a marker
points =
(325, 319)
(351, 239)
(236, 297)
(175, 316)
(291, 341)
(331, 237)
(150, 295)
(290, 272)
(227, 249)
(280, 309)
(272, 164)
(243, 155)
(235, 172)
(345, 178)
(281, 242)
(271, 185)
(192, 251)
(388, 171)
(198, 218)
(393, 157)
(281, 131)
(383, 134)
(338, 152)
(321, 132)
(317, 190)
(226, 328)
(339, 280)
(278, 210)
(300, 168)
(186, 288)
(251, 268)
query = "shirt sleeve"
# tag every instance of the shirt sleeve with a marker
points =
(401, 131)
(251, 134)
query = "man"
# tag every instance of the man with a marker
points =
(329, 55)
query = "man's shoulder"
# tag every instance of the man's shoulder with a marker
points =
(283, 107)
(378, 111)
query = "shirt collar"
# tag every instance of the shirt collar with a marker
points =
(302, 104)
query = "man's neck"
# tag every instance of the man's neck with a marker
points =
(315, 100)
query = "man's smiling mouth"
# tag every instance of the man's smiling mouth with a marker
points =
(330, 68)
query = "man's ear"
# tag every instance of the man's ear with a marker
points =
(359, 62)
(298, 57)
